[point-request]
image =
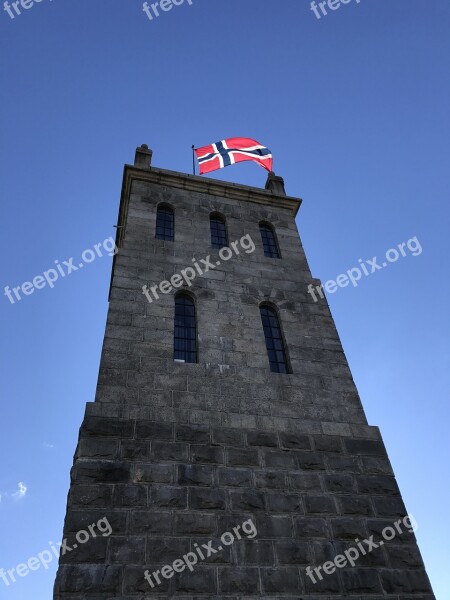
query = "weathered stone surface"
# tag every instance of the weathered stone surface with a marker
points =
(96, 579)
(91, 495)
(194, 475)
(361, 581)
(239, 581)
(262, 438)
(309, 527)
(281, 580)
(144, 521)
(127, 550)
(320, 504)
(242, 457)
(207, 454)
(295, 441)
(235, 477)
(254, 552)
(154, 431)
(293, 552)
(207, 499)
(175, 455)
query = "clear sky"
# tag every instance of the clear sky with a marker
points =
(355, 108)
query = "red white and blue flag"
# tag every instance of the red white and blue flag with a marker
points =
(231, 151)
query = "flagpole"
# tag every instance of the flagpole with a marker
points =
(193, 159)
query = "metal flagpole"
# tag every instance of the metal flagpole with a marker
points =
(193, 159)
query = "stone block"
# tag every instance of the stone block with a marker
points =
(280, 459)
(377, 484)
(228, 437)
(195, 475)
(195, 524)
(254, 552)
(99, 426)
(92, 551)
(169, 451)
(247, 501)
(96, 471)
(389, 506)
(365, 447)
(204, 454)
(285, 503)
(307, 482)
(127, 550)
(339, 483)
(80, 520)
(149, 522)
(151, 473)
(293, 552)
(295, 441)
(320, 504)
(320, 583)
(168, 497)
(130, 496)
(98, 579)
(401, 581)
(234, 477)
(404, 557)
(207, 499)
(270, 479)
(164, 550)
(327, 443)
(283, 580)
(355, 505)
(193, 433)
(202, 580)
(361, 581)
(310, 527)
(134, 450)
(242, 457)
(90, 495)
(348, 528)
(343, 463)
(376, 465)
(238, 580)
(262, 438)
(154, 430)
(135, 583)
(310, 461)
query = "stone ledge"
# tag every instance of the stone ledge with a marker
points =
(230, 420)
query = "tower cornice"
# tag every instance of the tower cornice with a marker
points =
(202, 185)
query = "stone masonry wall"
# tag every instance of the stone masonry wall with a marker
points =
(176, 454)
(232, 381)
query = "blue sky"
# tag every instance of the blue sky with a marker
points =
(354, 107)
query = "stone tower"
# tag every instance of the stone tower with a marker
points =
(227, 448)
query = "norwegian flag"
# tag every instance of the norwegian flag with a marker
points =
(231, 151)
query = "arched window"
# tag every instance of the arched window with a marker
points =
(219, 236)
(185, 334)
(274, 340)
(269, 241)
(165, 220)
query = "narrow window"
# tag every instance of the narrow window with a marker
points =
(269, 241)
(165, 223)
(274, 340)
(219, 236)
(185, 334)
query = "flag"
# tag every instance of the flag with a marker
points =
(231, 151)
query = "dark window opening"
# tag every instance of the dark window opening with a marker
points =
(219, 236)
(269, 241)
(185, 334)
(274, 340)
(165, 224)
